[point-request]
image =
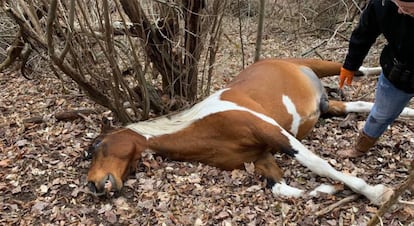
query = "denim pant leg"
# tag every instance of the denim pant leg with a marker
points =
(389, 103)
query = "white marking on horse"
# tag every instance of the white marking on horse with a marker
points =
(291, 109)
(213, 104)
(358, 106)
(282, 189)
(171, 124)
(323, 168)
(370, 70)
(324, 188)
(363, 106)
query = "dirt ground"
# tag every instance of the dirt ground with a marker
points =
(43, 170)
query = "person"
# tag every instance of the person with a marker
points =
(394, 19)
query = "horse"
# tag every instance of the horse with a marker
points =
(268, 108)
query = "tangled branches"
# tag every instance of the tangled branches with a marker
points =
(115, 50)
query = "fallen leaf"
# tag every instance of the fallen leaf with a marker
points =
(17, 189)
(39, 206)
(5, 163)
(370, 209)
(249, 168)
(198, 222)
(110, 216)
(146, 184)
(332, 222)
(21, 143)
(254, 188)
(76, 191)
(43, 189)
(223, 214)
(409, 210)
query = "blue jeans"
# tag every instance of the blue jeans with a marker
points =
(389, 103)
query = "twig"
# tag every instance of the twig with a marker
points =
(31, 14)
(139, 74)
(69, 31)
(313, 48)
(393, 199)
(335, 205)
(116, 72)
(406, 202)
(62, 116)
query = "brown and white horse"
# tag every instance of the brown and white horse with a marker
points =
(267, 108)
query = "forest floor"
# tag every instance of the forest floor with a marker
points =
(43, 170)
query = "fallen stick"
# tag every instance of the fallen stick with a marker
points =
(406, 202)
(60, 116)
(393, 199)
(334, 205)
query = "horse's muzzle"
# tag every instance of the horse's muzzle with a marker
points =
(104, 186)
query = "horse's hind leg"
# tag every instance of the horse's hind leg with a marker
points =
(339, 108)
(279, 139)
(266, 166)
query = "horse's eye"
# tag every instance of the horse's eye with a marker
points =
(96, 144)
(88, 154)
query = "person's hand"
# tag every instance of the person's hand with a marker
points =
(345, 76)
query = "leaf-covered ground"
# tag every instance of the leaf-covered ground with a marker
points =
(43, 172)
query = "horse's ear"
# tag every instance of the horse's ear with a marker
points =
(106, 125)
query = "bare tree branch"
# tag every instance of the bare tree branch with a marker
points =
(393, 199)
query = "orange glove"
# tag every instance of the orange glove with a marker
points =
(345, 75)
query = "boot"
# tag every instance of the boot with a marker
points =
(362, 145)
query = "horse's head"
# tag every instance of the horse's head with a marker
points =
(114, 157)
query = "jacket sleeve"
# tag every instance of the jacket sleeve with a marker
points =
(363, 37)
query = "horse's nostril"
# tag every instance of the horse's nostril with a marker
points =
(92, 187)
(109, 183)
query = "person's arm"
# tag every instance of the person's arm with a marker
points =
(360, 42)
(362, 37)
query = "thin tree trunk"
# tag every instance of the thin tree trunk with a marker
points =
(259, 31)
(193, 44)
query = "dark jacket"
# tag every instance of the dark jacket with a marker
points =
(398, 29)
